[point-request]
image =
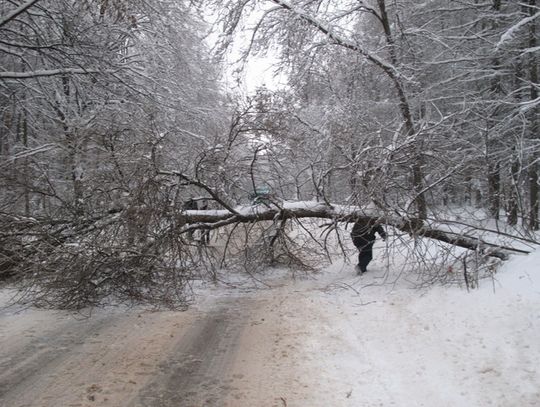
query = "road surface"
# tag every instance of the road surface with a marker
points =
(226, 353)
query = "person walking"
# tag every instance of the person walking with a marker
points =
(363, 237)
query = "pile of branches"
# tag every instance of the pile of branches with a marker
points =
(75, 263)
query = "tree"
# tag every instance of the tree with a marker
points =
(95, 96)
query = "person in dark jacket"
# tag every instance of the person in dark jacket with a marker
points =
(363, 237)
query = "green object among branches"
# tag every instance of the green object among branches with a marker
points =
(261, 195)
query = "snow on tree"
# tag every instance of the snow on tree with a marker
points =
(112, 117)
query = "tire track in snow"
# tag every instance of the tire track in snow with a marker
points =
(196, 370)
(22, 366)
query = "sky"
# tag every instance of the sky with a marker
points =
(259, 70)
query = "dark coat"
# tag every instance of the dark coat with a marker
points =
(363, 232)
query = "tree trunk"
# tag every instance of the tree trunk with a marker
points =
(26, 170)
(534, 123)
(533, 191)
(208, 220)
(73, 151)
(513, 200)
(493, 165)
(494, 189)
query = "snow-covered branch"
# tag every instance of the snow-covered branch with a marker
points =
(29, 152)
(19, 10)
(199, 184)
(511, 32)
(50, 72)
(289, 210)
(336, 39)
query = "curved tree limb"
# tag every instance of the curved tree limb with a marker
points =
(18, 11)
(215, 219)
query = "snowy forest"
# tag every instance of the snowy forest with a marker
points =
(115, 115)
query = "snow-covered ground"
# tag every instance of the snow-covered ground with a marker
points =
(342, 340)
(331, 339)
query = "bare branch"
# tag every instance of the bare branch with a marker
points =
(19, 10)
(50, 72)
(202, 185)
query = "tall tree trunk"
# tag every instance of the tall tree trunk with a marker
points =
(26, 170)
(533, 191)
(515, 207)
(493, 175)
(73, 150)
(73, 145)
(513, 199)
(534, 123)
(494, 189)
(493, 164)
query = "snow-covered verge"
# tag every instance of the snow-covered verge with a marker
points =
(330, 339)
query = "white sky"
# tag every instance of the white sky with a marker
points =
(261, 71)
(258, 71)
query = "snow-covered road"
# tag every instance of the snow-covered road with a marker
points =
(333, 340)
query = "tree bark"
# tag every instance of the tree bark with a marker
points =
(494, 190)
(533, 191)
(493, 166)
(534, 124)
(513, 200)
(26, 169)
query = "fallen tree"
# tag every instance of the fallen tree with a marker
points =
(286, 210)
(193, 220)
(146, 254)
